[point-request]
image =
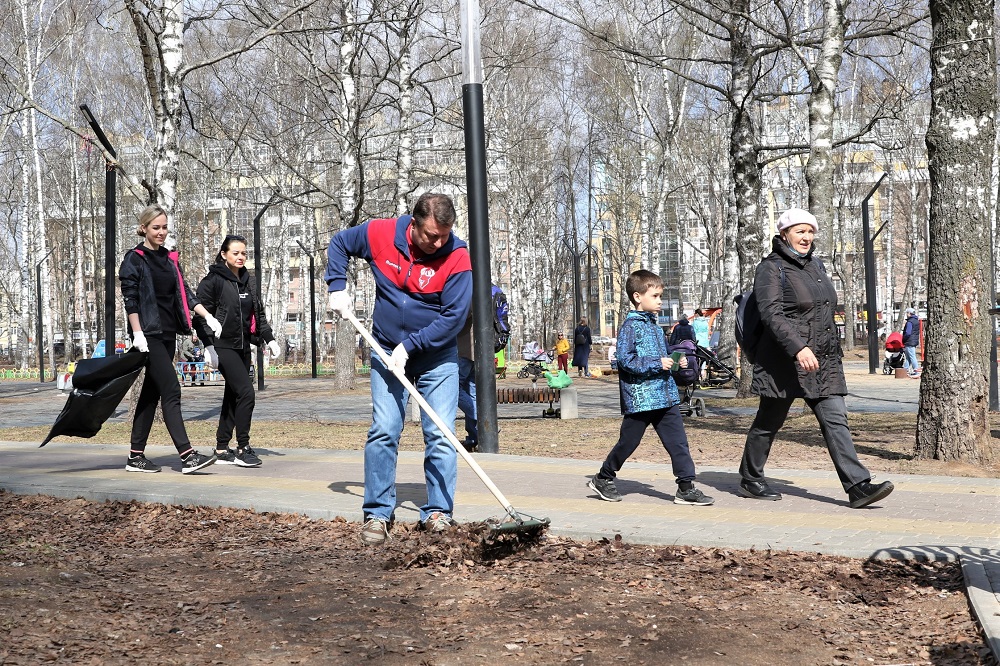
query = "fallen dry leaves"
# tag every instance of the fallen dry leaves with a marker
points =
(126, 583)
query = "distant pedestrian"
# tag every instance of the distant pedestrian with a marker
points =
(467, 384)
(648, 394)
(799, 356)
(228, 291)
(562, 352)
(700, 326)
(682, 331)
(582, 341)
(911, 340)
(159, 303)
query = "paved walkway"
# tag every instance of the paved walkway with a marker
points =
(926, 517)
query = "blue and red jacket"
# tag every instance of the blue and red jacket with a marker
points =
(422, 303)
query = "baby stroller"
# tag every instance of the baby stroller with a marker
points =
(537, 359)
(893, 353)
(717, 373)
(687, 379)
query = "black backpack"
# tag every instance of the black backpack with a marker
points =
(501, 320)
(749, 327)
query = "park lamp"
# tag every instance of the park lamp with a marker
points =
(472, 63)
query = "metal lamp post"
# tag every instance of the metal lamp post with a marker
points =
(110, 223)
(38, 302)
(870, 279)
(312, 304)
(479, 228)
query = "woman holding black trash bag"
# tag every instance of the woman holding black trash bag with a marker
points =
(799, 356)
(228, 293)
(159, 305)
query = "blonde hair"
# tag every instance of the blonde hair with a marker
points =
(148, 214)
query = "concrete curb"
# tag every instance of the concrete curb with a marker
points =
(981, 569)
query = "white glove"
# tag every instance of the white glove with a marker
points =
(211, 357)
(139, 341)
(398, 358)
(213, 324)
(341, 302)
(273, 347)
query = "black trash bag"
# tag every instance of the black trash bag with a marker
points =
(99, 384)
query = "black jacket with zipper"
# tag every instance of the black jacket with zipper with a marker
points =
(797, 303)
(139, 294)
(219, 292)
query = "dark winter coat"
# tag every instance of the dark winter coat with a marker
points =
(797, 312)
(219, 292)
(581, 351)
(139, 294)
(911, 331)
(642, 382)
(683, 331)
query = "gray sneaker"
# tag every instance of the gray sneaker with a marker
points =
(692, 496)
(195, 461)
(140, 464)
(245, 457)
(225, 456)
(438, 522)
(375, 531)
(605, 489)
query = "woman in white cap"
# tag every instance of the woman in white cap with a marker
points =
(799, 356)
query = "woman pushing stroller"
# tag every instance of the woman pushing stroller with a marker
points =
(228, 293)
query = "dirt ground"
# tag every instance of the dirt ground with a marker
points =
(131, 583)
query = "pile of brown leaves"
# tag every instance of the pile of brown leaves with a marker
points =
(116, 583)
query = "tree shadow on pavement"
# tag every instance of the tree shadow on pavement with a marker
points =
(409, 496)
(729, 482)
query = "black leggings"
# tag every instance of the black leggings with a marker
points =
(238, 400)
(160, 385)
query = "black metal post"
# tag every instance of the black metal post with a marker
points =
(870, 280)
(482, 280)
(110, 232)
(312, 306)
(38, 334)
(994, 398)
(258, 264)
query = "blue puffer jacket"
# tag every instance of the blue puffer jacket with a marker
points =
(643, 383)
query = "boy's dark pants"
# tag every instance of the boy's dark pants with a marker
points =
(669, 427)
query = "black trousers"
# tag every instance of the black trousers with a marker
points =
(831, 412)
(669, 426)
(238, 400)
(160, 385)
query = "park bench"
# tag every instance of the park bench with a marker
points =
(566, 398)
(191, 372)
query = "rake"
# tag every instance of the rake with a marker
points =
(515, 522)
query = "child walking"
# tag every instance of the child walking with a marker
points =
(648, 395)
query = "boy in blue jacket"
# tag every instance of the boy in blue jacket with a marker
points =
(648, 395)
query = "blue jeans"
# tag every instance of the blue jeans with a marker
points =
(467, 397)
(910, 359)
(435, 376)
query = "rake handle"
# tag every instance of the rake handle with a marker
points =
(449, 435)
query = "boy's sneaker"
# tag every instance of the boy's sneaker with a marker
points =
(140, 464)
(605, 488)
(245, 457)
(195, 461)
(438, 522)
(692, 496)
(375, 531)
(225, 456)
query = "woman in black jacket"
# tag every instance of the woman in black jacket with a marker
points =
(582, 341)
(228, 293)
(799, 356)
(158, 304)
